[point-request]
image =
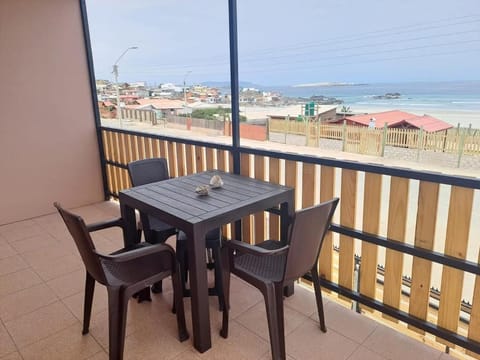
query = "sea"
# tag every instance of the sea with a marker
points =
(462, 97)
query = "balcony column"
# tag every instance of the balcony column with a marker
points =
(232, 22)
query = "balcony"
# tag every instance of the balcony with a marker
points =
(41, 299)
(403, 250)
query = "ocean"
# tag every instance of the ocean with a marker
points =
(458, 96)
(455, 102)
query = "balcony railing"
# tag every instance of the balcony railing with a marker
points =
(404, 243)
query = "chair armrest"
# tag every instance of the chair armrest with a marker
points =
(137, 253)
(252, 249)
(105, 224)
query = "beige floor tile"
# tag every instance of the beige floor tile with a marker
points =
(303, 300)
(25, 301)
(308, 342)
(147, 344)
(68, 284)
(347, 322)
(105, 245)
(242, 297)
(7, 346)
(62, 265)
(362, 353)
(19, 280)
(20, 230)
(111, 208)
(40, 324)
(66, 344)
(150, 315)
(6, 250)
(12, 264)
(241, 344)
(146, 317)
(75, 302)
(394, 345)
(47, 256)
(34, 242)
(12, 356)
(53, 224)
(268, 356)
(255, 319)
(190, 354)
(102, 355)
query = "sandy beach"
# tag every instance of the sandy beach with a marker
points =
(454, 117)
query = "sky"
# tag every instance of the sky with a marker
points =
(287, 42)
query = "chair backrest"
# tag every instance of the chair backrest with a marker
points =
(147, 171)
(77, 228)
(306, 237)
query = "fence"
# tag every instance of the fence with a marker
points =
(367, 141)
(139, 115)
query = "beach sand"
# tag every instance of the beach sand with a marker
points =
(453, 117)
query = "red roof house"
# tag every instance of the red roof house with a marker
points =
(397, 119)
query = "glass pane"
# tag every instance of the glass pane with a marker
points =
(308, 67)
(166, 63)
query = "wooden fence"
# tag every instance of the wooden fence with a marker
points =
(363, 140)
(416, 225)
(139, 115)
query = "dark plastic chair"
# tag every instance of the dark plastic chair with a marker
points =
(269, 266)
(124, 273)
(143, 172)
(147, 171)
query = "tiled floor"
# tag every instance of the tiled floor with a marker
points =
(41, 299)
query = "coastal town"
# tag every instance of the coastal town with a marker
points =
(321, 122)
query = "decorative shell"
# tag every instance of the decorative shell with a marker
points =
(216, 182)
(202, 190)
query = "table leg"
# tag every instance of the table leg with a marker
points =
(130, 220)
(199, 289)
(286, 210)
(286, 213)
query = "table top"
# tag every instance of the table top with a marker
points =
(176, 200)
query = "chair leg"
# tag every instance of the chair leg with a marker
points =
(183, 265)
(157, 288)
(117, 318)
(87, 306)
(218, 276)
(178, 305)
(273, 294)
(225, 277)
(318, 296)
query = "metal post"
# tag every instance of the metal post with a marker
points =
(115, 73)
(232, 17)
(419, 143)
(185, 88)
(461, 146)
(119, 109)
(93, 92)
(344, 134)
(384, 139)
(287, 126)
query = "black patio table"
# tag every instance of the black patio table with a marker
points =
(176, 202)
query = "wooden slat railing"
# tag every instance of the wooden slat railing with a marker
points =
(421, 229)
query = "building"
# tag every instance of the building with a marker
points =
(397, 119)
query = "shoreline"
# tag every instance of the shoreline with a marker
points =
(454, 117)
